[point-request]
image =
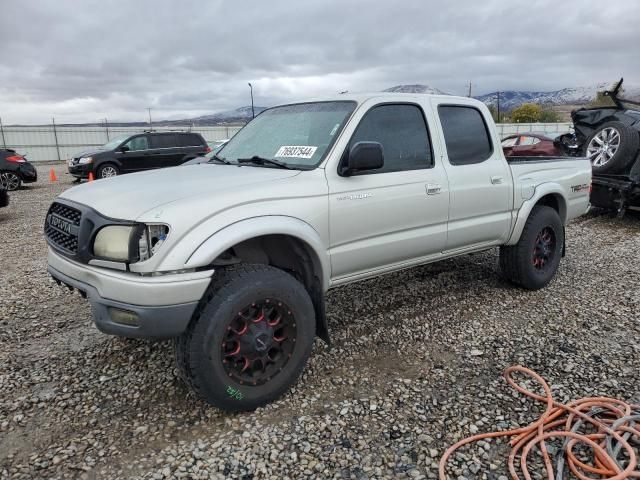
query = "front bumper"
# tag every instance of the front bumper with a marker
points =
(163, 305)
(80, 170)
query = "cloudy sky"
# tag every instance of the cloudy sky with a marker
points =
(84, 60)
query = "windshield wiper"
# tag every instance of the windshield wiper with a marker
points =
(257, 160)
(220, 159)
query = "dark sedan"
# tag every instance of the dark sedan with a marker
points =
(531, 145)
(15, 170)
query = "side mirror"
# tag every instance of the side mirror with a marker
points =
(363, 156)
(124, 149)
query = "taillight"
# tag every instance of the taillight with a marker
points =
(208, 150)
(15, 158)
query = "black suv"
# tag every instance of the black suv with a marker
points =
(135, 153)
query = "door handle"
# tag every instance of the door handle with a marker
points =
(497, 180)
(433, 188)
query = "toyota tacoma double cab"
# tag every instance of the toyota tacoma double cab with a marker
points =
(233, 257)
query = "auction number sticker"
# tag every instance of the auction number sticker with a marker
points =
(296, 151)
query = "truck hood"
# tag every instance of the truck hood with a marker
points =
(127, 197)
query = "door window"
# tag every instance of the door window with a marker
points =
(163, 141)
(402, 131)
(465, 134)
(528, 140)
(509, 142)
(138, 143)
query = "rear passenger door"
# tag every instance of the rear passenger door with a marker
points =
(394, 215)
(165, 150)
(480, 183)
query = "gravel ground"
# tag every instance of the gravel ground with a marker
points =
(416, 365)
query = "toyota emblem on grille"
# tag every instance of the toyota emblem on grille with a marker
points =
(61, 224)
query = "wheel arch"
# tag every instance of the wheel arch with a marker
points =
(111, 160)
(549, 195)
(283, 242)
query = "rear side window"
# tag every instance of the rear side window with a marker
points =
(163, 141)
(190, 140)
(465, 134)
(402, 131)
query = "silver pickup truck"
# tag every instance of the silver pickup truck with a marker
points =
(233, 257)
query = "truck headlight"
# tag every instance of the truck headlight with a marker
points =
(129, 243)
(112, 242)
(85, 160)
(150, 239)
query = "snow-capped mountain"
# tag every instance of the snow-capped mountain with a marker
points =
(514, 98)
(242, 114)
(567, 96)
(415, 89)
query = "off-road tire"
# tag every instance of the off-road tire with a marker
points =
(100, 173)
(198, 349)
(626, 152)
(517, 261)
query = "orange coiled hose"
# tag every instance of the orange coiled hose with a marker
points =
(613, 428)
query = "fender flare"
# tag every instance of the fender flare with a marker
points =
(525, 209)
(254, 227)
(113, 160)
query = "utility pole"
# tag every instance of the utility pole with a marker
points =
(55, 136)
(150, 124)
(498, 101)
(4, 143)
(106, 127)
(253, 113)
(469, 89)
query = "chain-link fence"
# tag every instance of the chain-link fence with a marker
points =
(52, 142)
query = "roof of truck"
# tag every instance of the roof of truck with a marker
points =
(364, 96)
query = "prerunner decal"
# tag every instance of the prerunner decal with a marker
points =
(296, 151)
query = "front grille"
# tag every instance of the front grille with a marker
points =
(62, 225)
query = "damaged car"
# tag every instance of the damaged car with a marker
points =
(610, 137)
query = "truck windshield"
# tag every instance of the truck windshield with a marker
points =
(297, 135)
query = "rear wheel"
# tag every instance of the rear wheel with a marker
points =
(534, 260)
(107, 170)
(10, 181)
(249, 340)
(612, 147)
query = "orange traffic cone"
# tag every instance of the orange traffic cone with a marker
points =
(91, 176)
(52, 175)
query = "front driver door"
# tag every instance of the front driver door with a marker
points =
(396, 214)
(135, 158)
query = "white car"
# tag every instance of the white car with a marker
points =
(233, 257)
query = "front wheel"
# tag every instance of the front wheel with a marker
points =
(107, 170)
(534, 260)
(10, 181)
(250, 338)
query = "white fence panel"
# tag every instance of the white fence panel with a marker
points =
(43, 143)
